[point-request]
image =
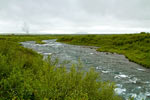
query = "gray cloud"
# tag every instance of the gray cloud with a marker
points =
(65, 16)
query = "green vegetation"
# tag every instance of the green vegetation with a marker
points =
(136, 47)
(25, 76)
(39, 42)
(20, 38)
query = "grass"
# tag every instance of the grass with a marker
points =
(39, 42)
(20, 38)
(136, 47)
(25, 76)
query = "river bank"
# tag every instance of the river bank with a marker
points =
(136, 47)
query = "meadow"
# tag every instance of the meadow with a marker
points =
(136, 47)
(24, 75)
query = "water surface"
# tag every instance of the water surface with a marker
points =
(131, 79)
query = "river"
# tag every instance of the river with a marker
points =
(131, 79)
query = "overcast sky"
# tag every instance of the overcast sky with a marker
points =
(71, 16)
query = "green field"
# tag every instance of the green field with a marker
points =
(25, 76)
(136, 47)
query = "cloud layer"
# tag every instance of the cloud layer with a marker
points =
(70, 16)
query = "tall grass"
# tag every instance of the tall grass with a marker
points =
(25, 76)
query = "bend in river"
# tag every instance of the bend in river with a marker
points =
(131, 79)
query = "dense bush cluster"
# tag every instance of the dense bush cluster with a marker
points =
(25, 76)
(136, 47)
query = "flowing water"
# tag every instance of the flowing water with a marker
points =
(132, 80)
